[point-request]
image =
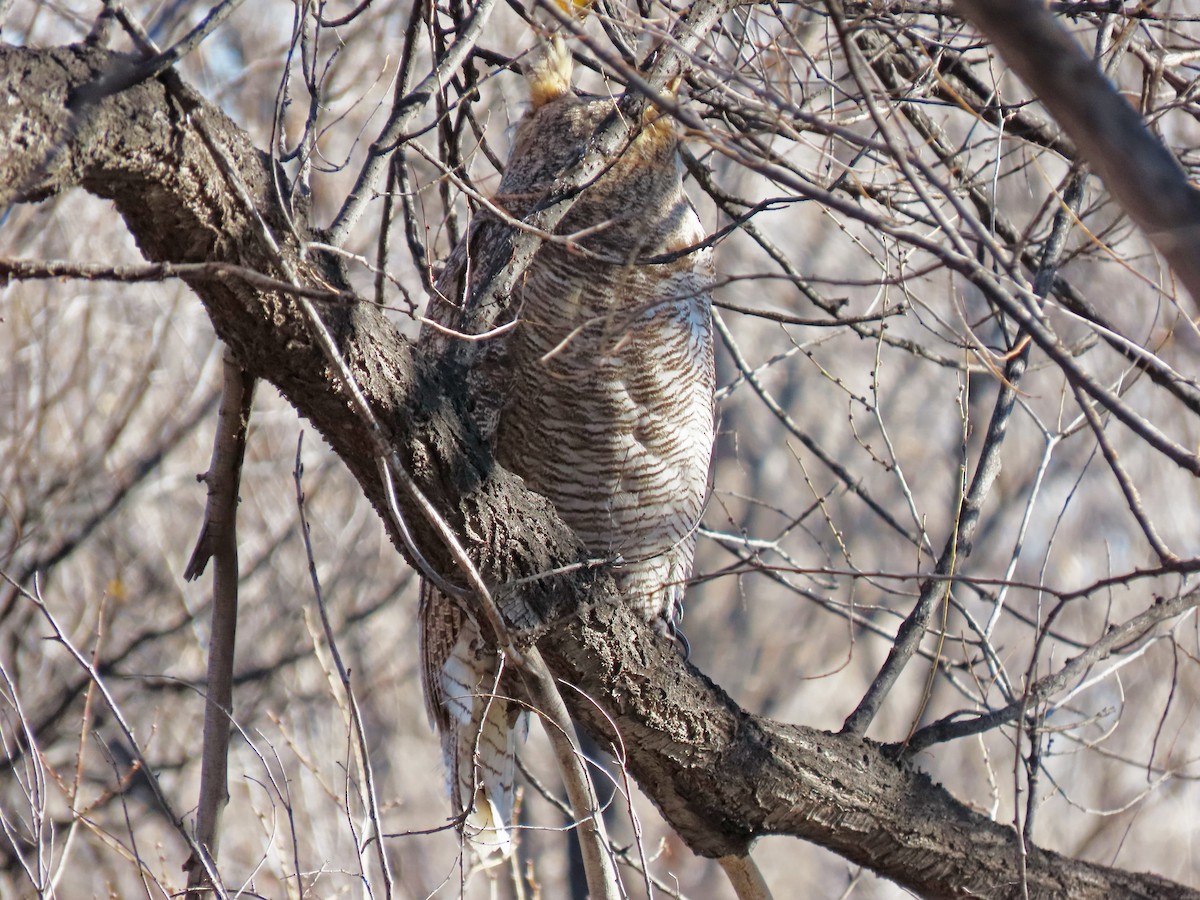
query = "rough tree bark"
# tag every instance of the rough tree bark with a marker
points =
(720, 775)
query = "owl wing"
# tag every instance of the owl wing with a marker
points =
(671, 387)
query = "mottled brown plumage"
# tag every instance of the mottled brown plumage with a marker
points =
(601, 398)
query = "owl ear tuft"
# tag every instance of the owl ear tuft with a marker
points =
(577, 8)
(550, 71)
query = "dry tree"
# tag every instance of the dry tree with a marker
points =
(950, 534)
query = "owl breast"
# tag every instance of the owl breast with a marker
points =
(610, 408)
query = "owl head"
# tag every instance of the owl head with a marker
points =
(560, 121)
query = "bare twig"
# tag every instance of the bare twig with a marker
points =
(1135, 166)
(956, 726)
(124, 77)
(145, 769)
(218, 541)
(544, 695)
(1132, 498)
(829, 461)
(360, 734)
(959, 546)
(47, 269)
(403, 112)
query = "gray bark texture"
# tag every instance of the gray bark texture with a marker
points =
(721, 776)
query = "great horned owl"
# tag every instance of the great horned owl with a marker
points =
(600, 397)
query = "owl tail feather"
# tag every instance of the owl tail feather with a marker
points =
(486, 828)
(480, 748)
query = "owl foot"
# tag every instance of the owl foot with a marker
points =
(676, 634)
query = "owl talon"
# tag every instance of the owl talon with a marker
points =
(676, 634)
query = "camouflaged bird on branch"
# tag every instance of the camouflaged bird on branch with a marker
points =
(599, 395)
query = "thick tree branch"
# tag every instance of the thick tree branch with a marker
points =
(721, 776)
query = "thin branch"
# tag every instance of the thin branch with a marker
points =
(544, 696)
(1137, 169)
(218, 541)
(748, 882)
(145, 769)
(788, 319)
(855, 485)
(403, 112)
(912, 630)
(958, 725)
(360, 734)
(123, 77)
(1132, 498)
(51, 269)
